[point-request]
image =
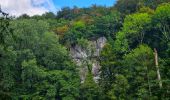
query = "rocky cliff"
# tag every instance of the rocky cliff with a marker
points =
(88, 56)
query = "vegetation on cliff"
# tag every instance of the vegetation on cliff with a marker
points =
(35, 63)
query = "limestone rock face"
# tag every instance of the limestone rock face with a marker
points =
(88, 56)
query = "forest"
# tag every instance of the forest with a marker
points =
(36, 63)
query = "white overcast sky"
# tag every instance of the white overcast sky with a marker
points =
(30, 7)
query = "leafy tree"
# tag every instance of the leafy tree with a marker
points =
(146, 10)
(50, 53)
(61, 30)
(24, 16)
(112, 75)
(35, 63)
(39, 57)
(26, 30)
(5, 29)
(135, 25)
(31, 74)
(109, 68)
(154, 3)
(119, 88)
(141, 72)
(121, 45)
(7, 69)
(128, 6)
(65, 13)
(49, 15)
(107, 25)
(134, 29)
(90, 90)
(158, 36)
(7, 58)
(161, 18)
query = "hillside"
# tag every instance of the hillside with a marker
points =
(96, 53)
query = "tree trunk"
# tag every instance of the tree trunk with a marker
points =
(157, 68)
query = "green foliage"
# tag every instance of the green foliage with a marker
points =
(146, 10)
(31, 73)
(90, 90)
(141, 71)
(119, 88)
(133, 32)
(154, 3)
(7, 63)
(50, 53)
(65, 82)
(121, 43)
(35, 63)
(161, 20)
(35, 58)
(78, 25)
(83, 42)
(5, 30)
(26, 30)
(109, 67)
(162, 12)
(135, 25)
(61, 30)
(128, 6)
(49, 15)
(107, 25)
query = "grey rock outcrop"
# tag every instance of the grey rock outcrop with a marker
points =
(88, 56)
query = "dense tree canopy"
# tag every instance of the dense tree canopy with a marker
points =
(36, 64)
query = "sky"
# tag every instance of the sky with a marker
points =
(38, 7)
